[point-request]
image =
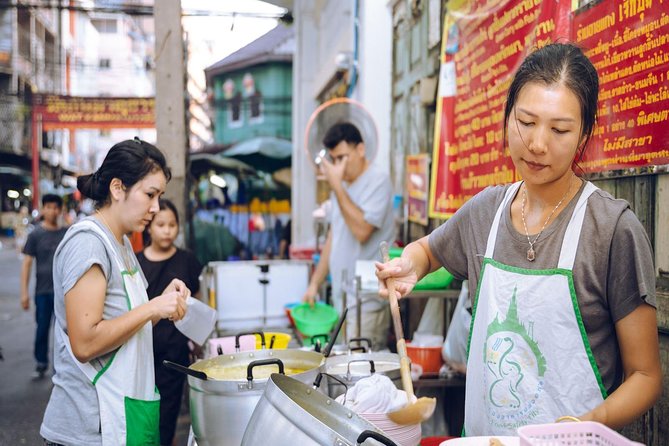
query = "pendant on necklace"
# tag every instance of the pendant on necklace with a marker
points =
(530, 254)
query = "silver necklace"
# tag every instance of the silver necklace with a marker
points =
(530, 252)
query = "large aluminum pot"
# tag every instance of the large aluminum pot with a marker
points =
(351, 368)
(291, 413)
(221, 408)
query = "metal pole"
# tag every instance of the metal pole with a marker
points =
(264, 281)
(36, 137)
(170, 97)
(344, 280)
(358, 306)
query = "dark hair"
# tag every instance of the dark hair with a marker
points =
(129, 161)
(52, 198)
(163, 204)
(560, 63)
(343, 131)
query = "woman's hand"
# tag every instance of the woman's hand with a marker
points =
(91, 335)
(402, 271)
(170, 305)
(179, 286)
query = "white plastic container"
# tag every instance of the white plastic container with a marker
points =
(199, 321)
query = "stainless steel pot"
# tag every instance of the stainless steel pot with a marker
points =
(292, 413)
(221, 409)
(353, 367)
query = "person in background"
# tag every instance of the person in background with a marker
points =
(160, 260)
(39, 248)
(560, 272)
(361, 217)
(104, 390)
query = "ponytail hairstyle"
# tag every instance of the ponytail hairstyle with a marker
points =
(129, 161)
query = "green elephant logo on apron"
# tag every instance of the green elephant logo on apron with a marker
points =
(514, 368)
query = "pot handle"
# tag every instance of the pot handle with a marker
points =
(364, 435)
(249, 369)
(314, 338)
(187, 370)
(359, 341)
(319, 378)
(372, 370)
(259, 333)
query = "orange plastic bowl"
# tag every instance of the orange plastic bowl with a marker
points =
(427, 357)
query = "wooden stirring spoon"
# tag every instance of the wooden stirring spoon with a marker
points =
(423, 408)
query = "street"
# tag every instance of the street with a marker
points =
(22, 400)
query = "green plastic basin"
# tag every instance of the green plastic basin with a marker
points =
(314, 321)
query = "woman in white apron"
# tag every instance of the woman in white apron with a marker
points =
(104, 391)
(560, 273)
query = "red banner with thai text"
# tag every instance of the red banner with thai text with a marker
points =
(628, 42)
(483, 44)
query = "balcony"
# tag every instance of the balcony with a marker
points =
(14, 125)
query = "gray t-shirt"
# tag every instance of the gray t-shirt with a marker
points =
(373, 194)
(613, 270)
(41, 244)
(72, 415)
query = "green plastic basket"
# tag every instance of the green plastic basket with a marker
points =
(436, 280)
(314, 321)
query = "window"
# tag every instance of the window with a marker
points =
(256, 107)
(105, 26)
(235, 110)
(105, 63)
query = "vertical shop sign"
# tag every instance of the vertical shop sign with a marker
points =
(482, 46)
(628, 42)
(417, 187)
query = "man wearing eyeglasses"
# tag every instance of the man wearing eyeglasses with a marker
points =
(361, 217)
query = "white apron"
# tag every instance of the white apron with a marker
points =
(529, 358)
(128, 398)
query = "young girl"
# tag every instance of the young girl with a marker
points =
(104, 388)
(561, 273)
(161, 260)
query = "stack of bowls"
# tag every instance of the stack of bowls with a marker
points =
(403, 435)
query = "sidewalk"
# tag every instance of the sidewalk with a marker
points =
(22, 401)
